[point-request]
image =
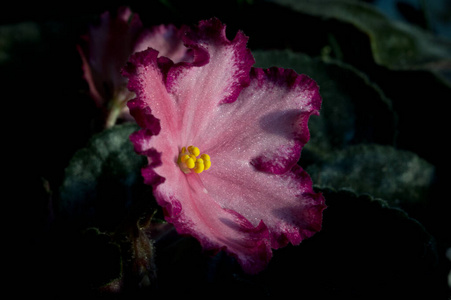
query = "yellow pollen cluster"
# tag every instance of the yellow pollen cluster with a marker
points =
(189, 160)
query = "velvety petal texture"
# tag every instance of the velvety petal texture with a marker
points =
(253, 124)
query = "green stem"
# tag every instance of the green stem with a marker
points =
(113, 113)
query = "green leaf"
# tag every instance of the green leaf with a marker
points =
(400, 177)
(354, 110)
(395, 45)
(103, 180)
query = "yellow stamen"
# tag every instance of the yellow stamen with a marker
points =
(207, 165)
(199, 168)
(190, 163)
(189, 160)
(207, 162)
(194, 150)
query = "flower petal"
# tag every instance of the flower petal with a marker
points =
(194, 212)
(107, 49)
(286, 204)
(261, 135)
(227, 70)
(153, 105)
(167, 39)
(268, 124)
(219, 72)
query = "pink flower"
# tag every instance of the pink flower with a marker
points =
(249, 195)
(106, 50)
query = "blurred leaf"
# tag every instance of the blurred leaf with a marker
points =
(16, 39)
(400, 177)
(354, 110)
(395, 45)
(103, 180)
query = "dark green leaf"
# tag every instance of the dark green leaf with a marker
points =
(400, 177)
(103, 180)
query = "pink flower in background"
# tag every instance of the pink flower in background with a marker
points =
(107, 48)
(223, 140)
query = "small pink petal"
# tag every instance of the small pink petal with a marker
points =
(167, 39)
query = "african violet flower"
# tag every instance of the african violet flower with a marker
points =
(107, 49)
(247, 194)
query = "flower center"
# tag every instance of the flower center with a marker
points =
(189, 160)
